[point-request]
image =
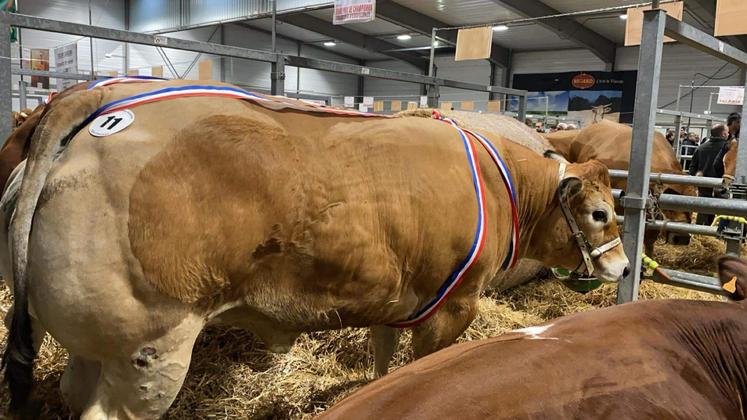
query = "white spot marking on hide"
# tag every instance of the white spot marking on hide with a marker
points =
(533, 333)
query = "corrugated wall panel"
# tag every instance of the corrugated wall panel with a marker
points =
(205, 11)
(390, 89)
(681, 65)
(555, 61)
(151, 15)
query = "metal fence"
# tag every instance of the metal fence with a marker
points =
(656, 24)
(278, 62)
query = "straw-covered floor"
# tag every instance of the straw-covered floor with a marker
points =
(232, 376)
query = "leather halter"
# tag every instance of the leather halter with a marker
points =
(588, 253)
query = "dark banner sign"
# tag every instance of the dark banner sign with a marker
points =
(583, 96)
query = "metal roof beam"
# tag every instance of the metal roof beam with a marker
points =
(349, 36)
(287, 38)
(565, 27)
(423, 24)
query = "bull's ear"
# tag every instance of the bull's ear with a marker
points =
(570, 186)
(732, 272)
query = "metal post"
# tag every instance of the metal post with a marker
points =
(647, 91)
(274, 24)
(433, 96)
(677, 140)
(22, 94)
(90, 43)
(740, 175)
(522, 108)
(6, 99)
(432, 61)
(277, 77)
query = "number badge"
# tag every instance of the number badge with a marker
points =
(108, 124)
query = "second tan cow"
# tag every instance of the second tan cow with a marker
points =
(609, 142)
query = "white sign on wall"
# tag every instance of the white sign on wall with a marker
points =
(424, 102)
(730, 95)
(368, 101)
(350, 102)
(66, 61)
(354, 11)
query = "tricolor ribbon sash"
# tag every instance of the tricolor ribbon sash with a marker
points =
(478, 243)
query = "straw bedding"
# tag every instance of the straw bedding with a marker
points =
(232, 376)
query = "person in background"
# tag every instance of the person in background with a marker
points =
(703, 164)
(670, 137)
(734, 121)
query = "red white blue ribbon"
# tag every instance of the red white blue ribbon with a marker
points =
(478, 243)
(176, 92)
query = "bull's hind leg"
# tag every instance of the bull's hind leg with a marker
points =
(143, 385)
(384, 341)
(79, 382)
(444, 327)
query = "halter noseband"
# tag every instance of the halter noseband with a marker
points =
(588, 253)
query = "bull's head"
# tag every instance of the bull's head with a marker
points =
(585, 232)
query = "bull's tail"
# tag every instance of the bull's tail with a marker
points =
(59, 123)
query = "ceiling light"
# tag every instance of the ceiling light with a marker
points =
(435, 43)
(623, 17)
(330, 43)
(404, 37)
(500, 28)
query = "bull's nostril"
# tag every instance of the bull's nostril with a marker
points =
(626, 271)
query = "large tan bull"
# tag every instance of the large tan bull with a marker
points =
(218, 210)
(609, 142)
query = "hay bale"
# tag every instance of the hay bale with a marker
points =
(233, 376)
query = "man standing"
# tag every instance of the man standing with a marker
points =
(734, 121)
(703, 164)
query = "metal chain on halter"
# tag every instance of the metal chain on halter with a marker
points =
(654, 211)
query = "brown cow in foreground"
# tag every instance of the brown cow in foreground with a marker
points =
(670, 359)
(215, 210)
(609, 142)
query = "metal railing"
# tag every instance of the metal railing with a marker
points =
(278, 61)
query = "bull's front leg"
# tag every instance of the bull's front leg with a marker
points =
(445, 326)
(384, 342)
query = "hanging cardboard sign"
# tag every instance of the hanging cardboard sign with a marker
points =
(424, 102)
(205, 70)
(467, 105)
(412, 105)
(156, 71)
(354, 11)
(349, 102)
(494, 106)
(133, 72)
(474, 43)
(447, 106)
(66, 61)
(730, 95)
(730, 17)
(378, 106)
(368, 100)
(396, 106)
(634, 23)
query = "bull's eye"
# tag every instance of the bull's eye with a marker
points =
(599, 216)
